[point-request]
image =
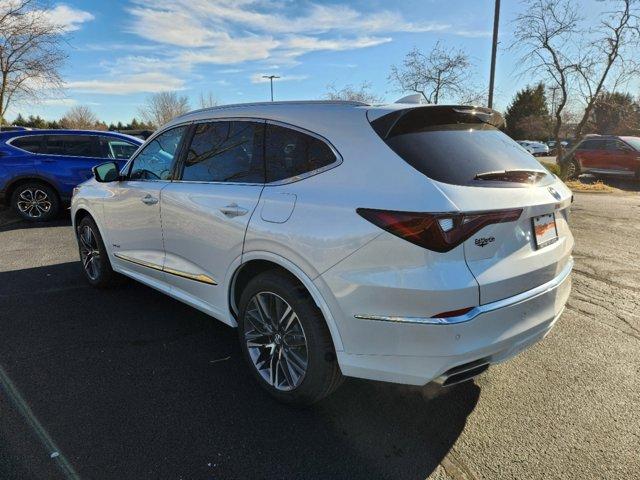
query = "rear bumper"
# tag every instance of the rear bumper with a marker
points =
(419, 350)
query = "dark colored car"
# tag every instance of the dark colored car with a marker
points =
(607, 155)
(40, 168)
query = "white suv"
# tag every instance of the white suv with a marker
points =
(400, 243)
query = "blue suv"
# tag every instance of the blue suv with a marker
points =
(39, 168)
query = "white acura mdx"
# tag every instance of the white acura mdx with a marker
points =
(403, 243)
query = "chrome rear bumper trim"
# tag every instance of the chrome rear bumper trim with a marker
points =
(480, 309)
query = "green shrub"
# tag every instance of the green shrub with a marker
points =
(552, 167)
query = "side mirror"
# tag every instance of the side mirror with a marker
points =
(106, 172)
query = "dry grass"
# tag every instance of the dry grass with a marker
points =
(595, 187)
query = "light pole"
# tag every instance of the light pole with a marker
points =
(494, 48)
(271, 77)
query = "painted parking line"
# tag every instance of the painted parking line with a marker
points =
(47, 442)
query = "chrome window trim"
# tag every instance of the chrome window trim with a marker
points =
(480, 309)
(10, 142)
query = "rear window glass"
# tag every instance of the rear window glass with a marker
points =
(458, 147)
(31, 143)
(72, 145)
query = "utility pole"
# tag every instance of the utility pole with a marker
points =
(494, 48)
(271, 77)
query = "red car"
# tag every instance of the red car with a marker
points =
(609, 155)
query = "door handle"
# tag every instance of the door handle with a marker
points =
(233, 210)
(149, 200)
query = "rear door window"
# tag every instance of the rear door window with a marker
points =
(224, 151)
(458, 146)
(72, 145)
(31, 143)
(290, 153)
(592, 145)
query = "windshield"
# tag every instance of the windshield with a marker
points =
(460, 149)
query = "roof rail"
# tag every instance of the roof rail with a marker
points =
(285, 102)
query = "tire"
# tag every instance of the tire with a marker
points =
(573, 169)
(35, 202)
(93, 255)
(276, 351)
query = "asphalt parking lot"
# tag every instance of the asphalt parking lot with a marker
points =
(130, 384)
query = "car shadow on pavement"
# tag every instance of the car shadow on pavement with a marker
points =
(133, 384)
(10, 221)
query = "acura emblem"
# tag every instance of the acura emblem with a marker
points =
(555, 194)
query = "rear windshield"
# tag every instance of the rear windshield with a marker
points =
(459, 146)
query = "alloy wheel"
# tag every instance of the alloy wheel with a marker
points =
(89, 252)
(276, 341)
(34, 202)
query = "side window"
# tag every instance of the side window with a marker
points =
(289, 153)
(156, 158)
(72, 145)
(111, 147)
(31, 143)
(225, 152)
(591, 145)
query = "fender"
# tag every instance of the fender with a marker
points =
(299, 274)
(34, 176)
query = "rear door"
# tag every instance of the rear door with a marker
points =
(481, 170)
(68, 159)
(593, 155)
(205, 212)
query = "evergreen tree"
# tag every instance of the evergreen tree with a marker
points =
(528, 116)
(19, 121)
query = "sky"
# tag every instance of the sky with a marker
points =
(122, 51)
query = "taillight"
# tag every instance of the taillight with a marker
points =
(439, 232)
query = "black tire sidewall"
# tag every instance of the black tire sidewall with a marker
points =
(321, 355)
(106, 273)
(51, 194)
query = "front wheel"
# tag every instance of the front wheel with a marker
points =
(285, 340)
(93, 255)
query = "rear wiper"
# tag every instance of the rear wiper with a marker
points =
(519, 176)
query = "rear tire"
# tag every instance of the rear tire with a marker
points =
(93, 255)
(35, 202)
(285, 340)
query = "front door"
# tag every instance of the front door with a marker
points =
(132, 212)
(205, 212)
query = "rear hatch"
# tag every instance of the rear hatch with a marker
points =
(480, 169)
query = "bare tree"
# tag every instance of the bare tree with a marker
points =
(608, 56)
(545, 33)
(359, 93)
(30, 53)
(440, 73)
(161, 107)
(80, 117)
(207, 100)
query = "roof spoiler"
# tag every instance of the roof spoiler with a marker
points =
(408, 119)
